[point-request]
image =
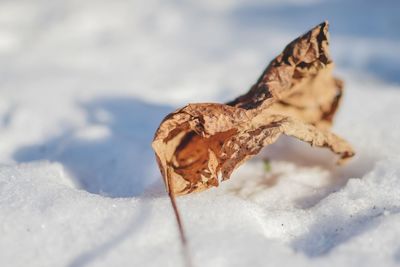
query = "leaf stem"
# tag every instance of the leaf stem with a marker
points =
(185, 249)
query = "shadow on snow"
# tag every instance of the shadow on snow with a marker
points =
(119, 164)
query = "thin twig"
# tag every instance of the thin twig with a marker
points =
(185, 249)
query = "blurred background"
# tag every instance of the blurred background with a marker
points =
(86, 83)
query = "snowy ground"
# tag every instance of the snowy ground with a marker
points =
(84, 84)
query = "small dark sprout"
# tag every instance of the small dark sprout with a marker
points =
(267, 165)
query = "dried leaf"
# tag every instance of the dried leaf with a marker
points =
(200, 144)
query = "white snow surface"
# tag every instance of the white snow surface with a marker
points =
(84, 85)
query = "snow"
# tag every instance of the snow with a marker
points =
(84, 84)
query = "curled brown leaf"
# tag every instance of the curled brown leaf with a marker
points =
(199, 145)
